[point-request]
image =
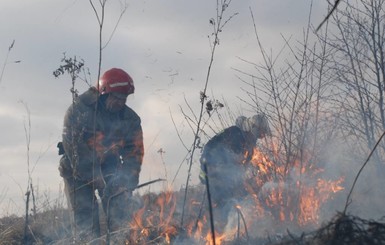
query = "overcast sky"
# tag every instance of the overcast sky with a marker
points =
(162, 44)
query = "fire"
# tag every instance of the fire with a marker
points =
(287, 200)
(313, 197)
(286, 194)
(154, 218)
(218, 239)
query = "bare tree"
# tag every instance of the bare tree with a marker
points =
(359, 71)
(294, 92)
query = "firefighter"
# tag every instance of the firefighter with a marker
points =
(224, 161)
(102, 147)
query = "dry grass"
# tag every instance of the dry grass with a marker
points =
(159, 223)
(44, 228)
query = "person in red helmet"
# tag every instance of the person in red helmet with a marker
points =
(102, 147)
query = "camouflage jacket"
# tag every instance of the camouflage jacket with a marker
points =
(92, 136)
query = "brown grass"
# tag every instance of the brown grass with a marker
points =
(161, 225)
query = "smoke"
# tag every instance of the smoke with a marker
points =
(367, 196)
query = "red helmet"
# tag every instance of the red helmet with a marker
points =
(116, 80)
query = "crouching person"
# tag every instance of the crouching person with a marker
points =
(224, 163)
(102, 149)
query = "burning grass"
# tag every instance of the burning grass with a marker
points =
(158, 221)
(280, 198)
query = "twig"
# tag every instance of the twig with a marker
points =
(116, 25)
(348, 199)
(100, 19)
(244, 224)
(26, 217)
(238, 225)
(6, 60)
(209, 203)
(293, 237)
(329, 14)
(179, 167)
(33, 198)
(200, 212)
(217, 25)
(29, 185)
(149, 183)
(180, 138)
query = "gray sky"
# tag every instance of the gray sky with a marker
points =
(162, 44)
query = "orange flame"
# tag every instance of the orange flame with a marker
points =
(157, 212)
(219, 238)
(287, 194)
(288, 201)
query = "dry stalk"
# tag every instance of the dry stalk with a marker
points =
(348, 199)
(6, 60)
(240, 216)
(218, 25)
(101, 18)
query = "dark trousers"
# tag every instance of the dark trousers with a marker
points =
(83, 204)
(85, 208)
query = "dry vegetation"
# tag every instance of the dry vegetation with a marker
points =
(331, 89)
(158, 222)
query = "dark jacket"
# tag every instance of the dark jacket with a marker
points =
(226, 156)
(232, 139)
(89, 134)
